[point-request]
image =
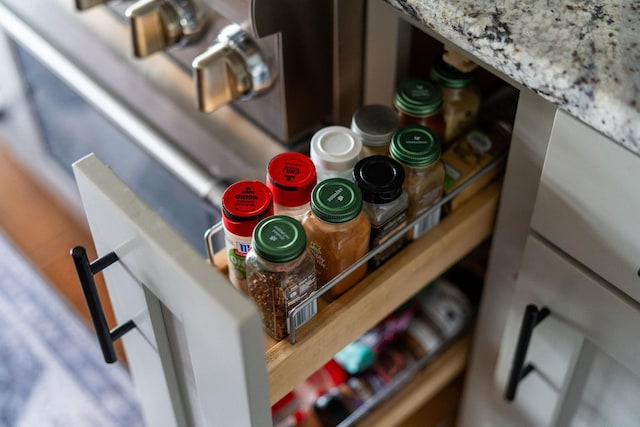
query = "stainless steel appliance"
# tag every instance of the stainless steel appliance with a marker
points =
(128, 80)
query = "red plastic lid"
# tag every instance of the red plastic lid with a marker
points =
(244, 204)
(291, 177)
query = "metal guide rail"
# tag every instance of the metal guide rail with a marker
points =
(311, 298)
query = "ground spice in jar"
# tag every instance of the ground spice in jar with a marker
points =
(419, 102)
(280, 273)
(244, 204)
(291, 177)
(417, 148)
(338, 232)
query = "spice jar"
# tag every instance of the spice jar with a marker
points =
(280, 273)
(291, 178)
(335, 150)
(338, 232)
(419, 102)
(375, 125)
(417, 148)
(380, 180)
(460, 99)
(244, 204)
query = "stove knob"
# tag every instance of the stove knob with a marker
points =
(159, 24)
(234, 67)
(87, 4)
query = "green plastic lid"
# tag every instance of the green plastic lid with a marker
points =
(279, 238)
(336, 200)
(418, 97)
(449, 76)
(415, 146)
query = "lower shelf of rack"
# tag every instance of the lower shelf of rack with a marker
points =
(429, 381)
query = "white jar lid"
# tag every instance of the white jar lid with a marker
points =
(335, 148)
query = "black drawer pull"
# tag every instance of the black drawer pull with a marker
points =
(86, 271)
(532, 317)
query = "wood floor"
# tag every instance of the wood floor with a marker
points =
(44, 231)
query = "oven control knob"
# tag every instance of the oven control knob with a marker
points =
(233, 67)
(87, 4)
(159, 24)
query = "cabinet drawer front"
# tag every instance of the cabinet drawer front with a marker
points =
(588, 202)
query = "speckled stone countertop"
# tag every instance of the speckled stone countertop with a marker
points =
(583, 55)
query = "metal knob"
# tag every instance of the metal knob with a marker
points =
(159, 24)
(234, 67)
(87, 4)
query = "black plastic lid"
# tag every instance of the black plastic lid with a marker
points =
(379, 178)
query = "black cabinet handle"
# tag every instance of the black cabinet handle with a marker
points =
(532, 317)
(86, 271)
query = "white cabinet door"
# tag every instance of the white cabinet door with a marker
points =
(586, 352)
(197, 352)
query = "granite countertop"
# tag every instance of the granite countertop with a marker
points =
(582, 55)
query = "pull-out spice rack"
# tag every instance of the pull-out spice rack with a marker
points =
(289, 362)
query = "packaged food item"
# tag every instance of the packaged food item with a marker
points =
(460, 99)
(338, 232)
(375, 124)
(384, 201)
(335, 150)
(296, 406)
(291, 178)
(419, 102)
(244, 204)
(280, 273)
(469, 154)
(417, 148)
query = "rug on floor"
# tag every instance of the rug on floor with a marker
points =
(51, 370)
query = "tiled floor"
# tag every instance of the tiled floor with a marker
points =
(45, 232)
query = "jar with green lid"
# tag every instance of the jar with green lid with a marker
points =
(375, 125)
(417, 148)
(338, 232)
(280, 273)
(419, 102)
(460, 99)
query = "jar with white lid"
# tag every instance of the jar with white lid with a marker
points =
(375, 124)
(335, 150)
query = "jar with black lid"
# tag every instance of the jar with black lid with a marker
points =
(460, 99)
(384, 201)
(280, 273)
(417, 148)
(375, 124)
(419, 102)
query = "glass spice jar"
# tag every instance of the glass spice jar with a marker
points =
(460, 99)
(338, 232)
(417, 148)
(335, 150)
(280, 273)
(291, 178)
(375, 125)
(419, 102)
(244, 204)
(380, 180)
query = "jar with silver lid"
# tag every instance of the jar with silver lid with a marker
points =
(375, 125)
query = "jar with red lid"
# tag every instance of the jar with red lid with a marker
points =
(244, 204)
(291, 178)
(419, 102)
